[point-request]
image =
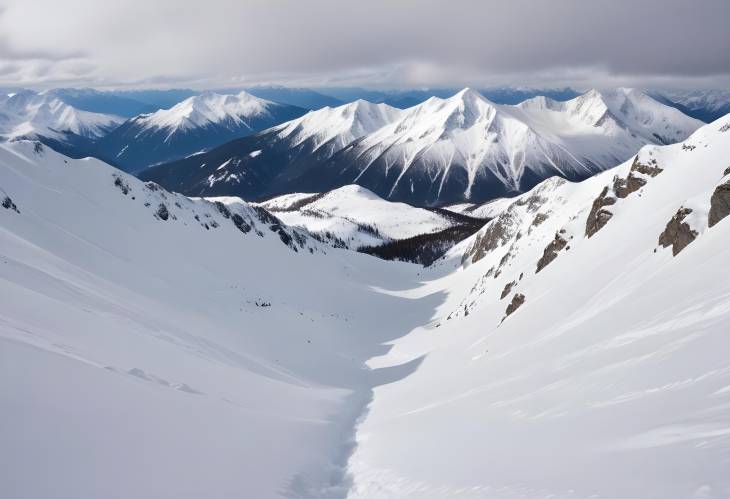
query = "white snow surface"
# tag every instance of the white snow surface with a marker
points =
(349, 211)
(28, 114)
(206, 109)
(592, 132)
(339, 126)
(139, 357)
(490, 209)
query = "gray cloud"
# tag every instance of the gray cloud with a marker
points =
(375, 42)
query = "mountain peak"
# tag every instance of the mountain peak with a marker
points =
(208, 108)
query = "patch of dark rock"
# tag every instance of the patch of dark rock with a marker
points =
(162, 212)
(599, 216)
(719, 204)
(121, 184)
(495, 235)
(8, 204)
(678, 234)
(264, 216)
(517, 301)
(507, 289)
(223, 209)
(551, 252)
(240, 223)
(539, 219)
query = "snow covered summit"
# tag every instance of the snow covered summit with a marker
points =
(28, 114)
(194, 125)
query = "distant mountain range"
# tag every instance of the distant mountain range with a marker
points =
(464, 148)
(47, 116)
(136, 129)
(194, 125)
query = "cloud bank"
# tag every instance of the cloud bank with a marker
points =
(375, 43)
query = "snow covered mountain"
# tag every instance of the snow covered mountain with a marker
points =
(191, 126)
(580, 336)
(441, 151)
(705, 105)
(354, 217)
(45, 116)
(249, 166)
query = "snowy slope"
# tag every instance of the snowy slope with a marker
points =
(355, 216)
(490, 209)
(44, 115)
(610, 380)
(196, 124)
(180, 353)
(463, 148)
(228, 363)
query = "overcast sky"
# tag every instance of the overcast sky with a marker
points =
(375, 43)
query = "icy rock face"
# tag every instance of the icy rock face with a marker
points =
(719, 203)
(598, 217)
(551, 252)
(506, 225)
(678, 234)
(621, 188)
(517, 301)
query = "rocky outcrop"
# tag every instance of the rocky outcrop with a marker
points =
(621, 188)
(496, 233)
(678, 234)
(507, 289)
(162, 213)
(719, 203)
(598, 217)
(551, 252)
(517, 301)
(8, 204)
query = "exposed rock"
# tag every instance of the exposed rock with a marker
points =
(551, 252)
(240, 223)
(678, 234)
(8, 204)
(223, 209)
(625, 186)
(727, 171)
(632, 183)
(507, 289)
(517, 301)
(719, 203)
(598, 216)
(652, 169)
(121, 184)
(162, 212)
(264, 216)
(496, 233)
